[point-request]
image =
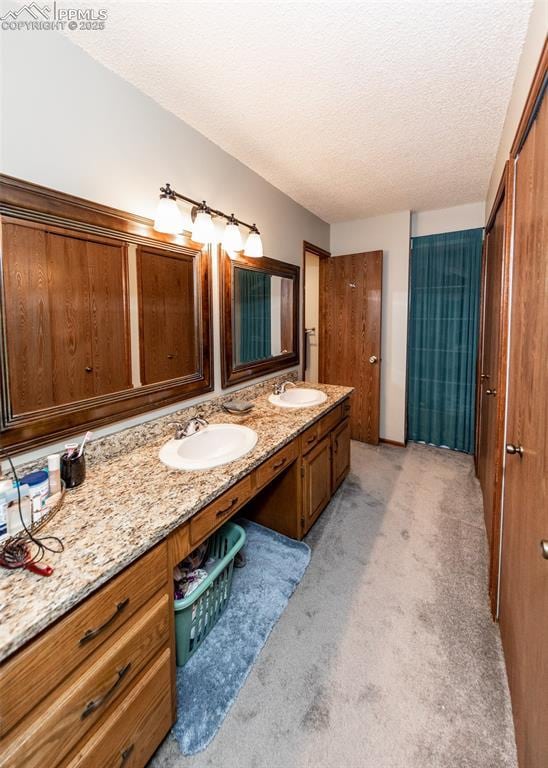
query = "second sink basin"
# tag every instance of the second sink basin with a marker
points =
(299, 397)
(212, 446)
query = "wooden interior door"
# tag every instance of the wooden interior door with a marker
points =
(524, 578)
(490, 373)
(350, 335)
(316, 482)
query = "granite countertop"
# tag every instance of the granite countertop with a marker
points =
(128, 504)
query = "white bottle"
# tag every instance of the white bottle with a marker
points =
(54, 472)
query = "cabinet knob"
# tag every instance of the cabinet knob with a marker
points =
(484, 376)
(491, 392)
(544, 548)
(89, 369)
(373, 359)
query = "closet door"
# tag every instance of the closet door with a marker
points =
(524, 580)
(489, 389)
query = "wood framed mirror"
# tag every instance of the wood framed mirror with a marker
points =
(102, 318)
(259, 316)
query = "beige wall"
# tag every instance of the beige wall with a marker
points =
(532, 49)
(390, 234)
(71, 124)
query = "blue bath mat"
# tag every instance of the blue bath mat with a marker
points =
(209, 682)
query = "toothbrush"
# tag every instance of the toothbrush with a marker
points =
(86, 438)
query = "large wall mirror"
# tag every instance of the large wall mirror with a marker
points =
(259, 316)
(102, 317)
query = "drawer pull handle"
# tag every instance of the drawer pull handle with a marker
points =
(126, 753)
(90, 634)
(222, 512)
(311, 439)
(279, 463)
(94, 705)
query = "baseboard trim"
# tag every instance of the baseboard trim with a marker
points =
(391, 442)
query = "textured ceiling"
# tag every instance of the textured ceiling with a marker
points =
(350, 108)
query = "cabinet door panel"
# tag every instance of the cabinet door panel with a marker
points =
(70, 324)
(109, 324)
(168, 321)
(27, 310)
(340, 452)
(317, 481)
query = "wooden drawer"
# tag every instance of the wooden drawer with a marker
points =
(37, 669)
(215, 514)
(52, 729)
(329, 421)
(131, 734)
(320, 428)
(277, 463)
(310, 438)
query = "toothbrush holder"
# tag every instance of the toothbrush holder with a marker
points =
(73, 470)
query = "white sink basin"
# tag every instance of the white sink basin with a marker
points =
(212, 446)
(299, 397)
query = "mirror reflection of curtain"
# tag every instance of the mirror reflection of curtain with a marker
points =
(442, 341)
(253, 331)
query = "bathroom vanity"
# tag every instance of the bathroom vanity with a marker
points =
(88, 670)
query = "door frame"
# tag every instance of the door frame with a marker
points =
(322, 254)
(504, 197)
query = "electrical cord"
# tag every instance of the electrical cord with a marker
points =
(15, 553)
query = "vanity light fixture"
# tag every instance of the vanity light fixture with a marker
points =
(169, 219)
(202, 228)
(254, 244)
(232, 239)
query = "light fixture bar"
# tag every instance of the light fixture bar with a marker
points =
(167, 191)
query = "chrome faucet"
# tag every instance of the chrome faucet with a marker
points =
(279, 389)
(189, 427)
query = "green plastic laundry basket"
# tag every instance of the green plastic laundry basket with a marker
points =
(197, 614)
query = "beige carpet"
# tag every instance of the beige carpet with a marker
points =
(386, 656)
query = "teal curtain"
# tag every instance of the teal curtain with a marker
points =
(442, 338)
(254, 296)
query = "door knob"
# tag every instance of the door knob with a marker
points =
(491, 392)
(544, 548)
(373, 359)
(512, 449)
